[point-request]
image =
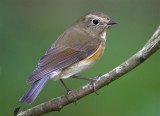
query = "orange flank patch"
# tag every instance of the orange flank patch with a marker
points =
(96, 55)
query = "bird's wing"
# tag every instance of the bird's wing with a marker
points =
(59, 57)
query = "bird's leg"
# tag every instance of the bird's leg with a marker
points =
(66, 88)
(90, 79)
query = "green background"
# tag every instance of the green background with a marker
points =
(29, 27)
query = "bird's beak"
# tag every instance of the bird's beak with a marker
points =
(111, 22)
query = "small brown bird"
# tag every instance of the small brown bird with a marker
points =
(77, 49)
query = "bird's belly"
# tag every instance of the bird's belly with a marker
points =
(76, 68)
(81, 65)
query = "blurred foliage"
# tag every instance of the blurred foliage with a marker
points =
(29, 27)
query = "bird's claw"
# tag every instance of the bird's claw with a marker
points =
(93, 83)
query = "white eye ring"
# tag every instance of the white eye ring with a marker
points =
(95, 21)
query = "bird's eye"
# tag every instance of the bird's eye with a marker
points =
(95, 21)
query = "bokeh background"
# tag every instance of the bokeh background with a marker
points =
(29, 27)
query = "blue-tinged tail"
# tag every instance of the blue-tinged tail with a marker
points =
(34, 90)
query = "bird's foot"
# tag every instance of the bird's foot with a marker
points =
(90, 79)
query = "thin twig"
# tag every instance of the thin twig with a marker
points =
(56, 104)
(154, 36)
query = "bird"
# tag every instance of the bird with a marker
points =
(76, 49)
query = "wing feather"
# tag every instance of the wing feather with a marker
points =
(57, 61)
(60, 55)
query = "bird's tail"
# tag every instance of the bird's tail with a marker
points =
(34, 90)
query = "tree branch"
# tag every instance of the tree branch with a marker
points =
(56, 104)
